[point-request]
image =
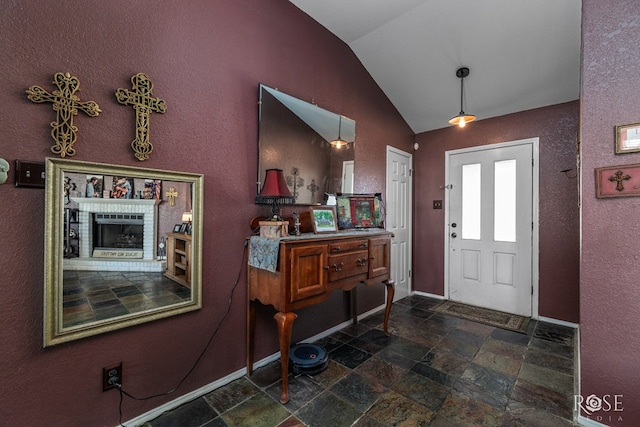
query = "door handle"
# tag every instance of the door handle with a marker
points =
(454, 235)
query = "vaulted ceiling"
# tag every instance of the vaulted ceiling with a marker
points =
(522, 54)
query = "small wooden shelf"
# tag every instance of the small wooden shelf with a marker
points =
(71, 241)
(179, 258)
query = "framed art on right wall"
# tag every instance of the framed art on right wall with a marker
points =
(628, 138)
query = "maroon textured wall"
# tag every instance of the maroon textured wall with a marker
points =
(206, 58)
(557, 128)
(610, 291)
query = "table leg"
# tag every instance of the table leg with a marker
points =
(353, 296)
(390, 284)
(251, 312)
(285, 324)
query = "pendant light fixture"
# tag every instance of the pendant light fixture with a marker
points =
(339, 142)
(462, 118)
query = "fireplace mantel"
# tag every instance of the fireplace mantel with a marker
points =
(112, 205)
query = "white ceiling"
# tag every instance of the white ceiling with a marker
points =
(522, 54)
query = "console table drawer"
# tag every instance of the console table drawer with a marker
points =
(348, 246)
(348, 265)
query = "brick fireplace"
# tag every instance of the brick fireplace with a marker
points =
(101, 259)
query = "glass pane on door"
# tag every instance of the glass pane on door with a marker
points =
(504, 213)
(471, 201)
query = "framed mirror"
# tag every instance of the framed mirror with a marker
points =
(302, 139)
(123, 246)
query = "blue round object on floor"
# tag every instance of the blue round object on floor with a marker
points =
(308, 359)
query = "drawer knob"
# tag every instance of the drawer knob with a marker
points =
(338, 268)
(361, 262)
(336, 248)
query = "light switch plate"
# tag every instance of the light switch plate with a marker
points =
(29, 174)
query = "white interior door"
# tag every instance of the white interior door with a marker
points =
(398, 204)
(490, 227)
(347, 176)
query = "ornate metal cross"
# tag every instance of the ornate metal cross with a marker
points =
(618, 178)
(295, 181)
(144, 105)
(66, 105)
(171, 194)
(313, 188)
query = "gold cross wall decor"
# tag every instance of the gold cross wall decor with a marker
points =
(66, 105)
(171, 194)
(619, 177)
(141, 100)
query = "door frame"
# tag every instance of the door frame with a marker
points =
(397, 151)
(535, 214)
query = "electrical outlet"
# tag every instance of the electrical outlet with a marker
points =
(437, 204)
(111, 375)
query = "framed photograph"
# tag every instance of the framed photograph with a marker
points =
(359, 211)
(176, 228)
(122, 188)
(183, 228)
(323, 219)
(152, 189)
(628, 138)
(94, 186)
(618, 181)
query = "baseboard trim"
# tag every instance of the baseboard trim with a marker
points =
(426, 294)
(156, 412)
(341, 326)
(559, 322)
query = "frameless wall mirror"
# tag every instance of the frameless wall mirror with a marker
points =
(301, 139)
(123, 246)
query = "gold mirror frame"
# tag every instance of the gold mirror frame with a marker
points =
(55, 332)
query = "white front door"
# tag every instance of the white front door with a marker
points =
(347, 176)
(398, 220)
(490, 227)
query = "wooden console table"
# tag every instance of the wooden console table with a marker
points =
(307, 270)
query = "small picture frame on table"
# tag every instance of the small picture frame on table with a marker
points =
(628, 138)
(183, 228)
(323, 219)
(176, 228)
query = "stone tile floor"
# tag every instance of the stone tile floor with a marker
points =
(434, 370)
(95, 295)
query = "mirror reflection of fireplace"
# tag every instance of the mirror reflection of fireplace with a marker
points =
(118, 231)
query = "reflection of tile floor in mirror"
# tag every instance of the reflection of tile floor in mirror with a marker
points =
(94, 295)
(434, 370)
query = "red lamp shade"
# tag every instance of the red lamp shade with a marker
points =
(275, 192)
(275, 184)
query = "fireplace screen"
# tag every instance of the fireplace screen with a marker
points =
(118, 231)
